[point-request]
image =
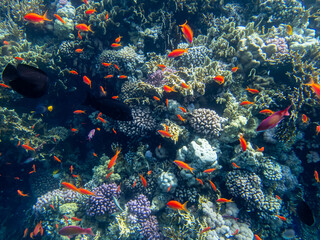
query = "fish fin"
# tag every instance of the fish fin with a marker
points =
(184, 206)
(310, 83)
(89, 231)
(45, 16)
(10, 73)
(89, 27)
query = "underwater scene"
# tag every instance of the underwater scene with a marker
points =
(153, 119)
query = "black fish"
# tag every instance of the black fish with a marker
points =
(305, 213)
(110, 107)
(29, 81)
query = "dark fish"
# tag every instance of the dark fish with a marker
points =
(110, 107)
(305, 213)
(72, 231)
(29, 81)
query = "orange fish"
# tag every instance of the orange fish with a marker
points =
(31, 235)
(183, 109)
(90, 11)
(149, 172)
(103, 92)
(106, 64)
(200, 181)
(253, 91)
(66, 219)
(79, 112)
(76, 219)
(19, 58)
(260, 149)
(156, 98)
(184, 85)
(85, 191)
(34, 169)
(52, 206)
(84, 28)
(235, 233)
(4, 85)
(101, 120)
(113, 159)
(169, 188)
(57, 159)
(235, 165)
(177, 53)
(115, 45)
(134, 184)
(94, 154)
(79, 50)
(266, 111)
(118, 39)
(181, 118)
(123, 77)
(183, 165)
(118, 189)
(143, 180)
(246, 103)
(316, 176)
(165, 134)
(205, 230)
(315, 87)
(109, 76)
(114, 97)
(116, 66)
(243, 143)
(219, 79)
(282, 218)
(27, 147)
(79, 35)
(36, 18)
(224, 200)
(175, 205)
(168, 89)
(71, 169)
(257, 237)
(22, 194)
(278, 197)
(98, 129)
(5, 42)
(75, 176)
(187, 32)
(304, 118)
(167, 102)
(161, 66)
(114, 131)
(74, 130)
(318, 129)
(99, 114)
(57, 226)
(213, 186)
(234, 69)
(18, 144)
(210, 170)
(70, 186)
(25, 232)
(73, 72)
(37, 229)
(87, 81)
(59, 18)
(107, 16)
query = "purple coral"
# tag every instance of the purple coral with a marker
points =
(102, 202)
(140, 207)
(281, 43)
(150, 228)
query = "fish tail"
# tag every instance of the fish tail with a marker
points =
(89, 27)
(184, 206)
(89, 231)
(310, 83)
(45, 16)
(183, 24)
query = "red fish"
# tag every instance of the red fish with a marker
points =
(114, 97)
(118, 189)
(169, 188)
(253, 91)
(106, 64)
(70, 186)
(304, 118)
(219, 79)
(260, 149)
(316, 176)
(177, 53)
(73, 72)
(25, 232)
(149, 172)
(84, 28)
(183, 109)
(22, 194)
(213, 186)
(59, 18)
(79, 112)
(27, 147)
(113, 159)
(273, 120)
(37, 229)
(109, 76)
(234, 69)
(118, 39)
(143, 180)
(4, 85)
(167, 102)
(315, 87)
(318, 129)
(165, 134)
(175, 205)
(79, 35)
(114, 131)
(71, 169)
(72, 231)
(85, 191)
(181, 118)
(168, 89)
(36, 18)
(266, 111)
(52, 206)
(205, 230)
(19, 58)
(184, 85)
(116, 66)
(243, 143)
(115, 45)
(87, 81)
(246, 103)
(187, 32)
(134, 184)
(183, 165)
(278, 197)
(103, 92)
(235, 233)
(200, 181)
(107, 16)
(6, 42)
(79, 50)
(102, 120)
(123, 77)
(282, 218)
(76, 219)
(156, 98)
(257, 237)
(57, 159)
(90, 11)
(161, 66)
(235, 165)
(210, 170)
(224, 200)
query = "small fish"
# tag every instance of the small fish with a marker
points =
(165, 134)
(71, 169)
(156, 98)
(25, 233)
(109, 76)
(87, 81)
(75, 176)
(316, 176)
(85, 191)
(72, 231)
(183, 165)
(246, 103)
(143, 180)
(85, 2)
(4, 85)
(113, 159)
(91, 134)
(57, 159)
(79, 112)
(315, 87)
(235, 233)
(200, 181)
(84, 28)
(273, 120)
(149, 172)
(114, 131)
(260, 149)
(106, 64)
(253, 91)
(183, 109)
(210, 170)
(219, 79)
(181, 118)
(36, 18)
(187, 32)
(107, 16)
(257, 237)
(117, 203)
(234, 69)
(90, 11)
(28, 160)
(161, 66)
(74, 130)
(118, 189)
(116, 66)
(52, 206)
(6, 42)
(76, 219)
(59, 18)
(224, 200)
(57, 226)
(318, 129)
(79, 50)
(118, 39)
(19, 58)
(177, 53)
(70, 186)
(243, 143)
(37, 229)
(98, 129)
(184, 85)
(266, 111)
(304, 118)
(116, 45)
(79, 35)
(73, 72)
(168, 89)
(213, 185)
(33, 169)
(94, 154)
(102, 120)
(103, 92)
(31, 235)
(289, 30)
(123, 77)
(282, 218)
(22, 194)
(278, 197)
(27, 147)
(115, 97)
(175, 205)
(235, 165)
(134, 184)
(205, 230)
(169, 188)
(167, 103)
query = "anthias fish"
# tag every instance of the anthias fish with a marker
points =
(72, 231)
(175, 205)
(26, 80)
